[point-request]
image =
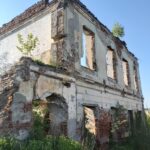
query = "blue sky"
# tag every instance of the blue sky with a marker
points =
(132, 14)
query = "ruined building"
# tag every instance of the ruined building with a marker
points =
(83, 72)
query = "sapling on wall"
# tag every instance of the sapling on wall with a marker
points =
(27, 45)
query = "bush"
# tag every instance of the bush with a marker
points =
(118, 30)
(48, 143)
(138, 141)
(38, 139)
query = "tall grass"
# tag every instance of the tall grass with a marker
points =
(139, 140)
(48, 143)
(38, 139)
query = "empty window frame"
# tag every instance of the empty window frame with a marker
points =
(88, 49)
(125, 67)
(131, 121)
(111, 64)
(89, 120)
(135, 78)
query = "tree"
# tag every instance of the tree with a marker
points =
(28, 45)
(118, 30)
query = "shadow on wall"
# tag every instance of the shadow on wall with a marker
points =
(4, 63)
(53, 113)
(7, 89)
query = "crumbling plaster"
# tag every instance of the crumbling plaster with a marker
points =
(64, 47)
(39, 85)
(40, 27)
(61, 42)
(76, 19)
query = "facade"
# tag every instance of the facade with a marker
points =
(85, 70)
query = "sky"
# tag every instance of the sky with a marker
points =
(133, 15)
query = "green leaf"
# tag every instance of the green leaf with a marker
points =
(118, 30)
(27, 45)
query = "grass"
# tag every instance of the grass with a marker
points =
(140, 140)
(38, 140)
(48, 143)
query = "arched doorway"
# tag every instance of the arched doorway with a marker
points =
(53, 114)
(56, 115)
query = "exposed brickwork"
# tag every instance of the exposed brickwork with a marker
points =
(15, 106)
(65, 59)
(5, 116)
(103, 129)
(27, 14)
(41, 5)
(8, 86)
(6, 82)
(57, 24)
(28, 80)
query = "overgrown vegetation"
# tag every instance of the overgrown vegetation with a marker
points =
(38, 139)
(120, 123)
(89, 141)
(39, 62)
(139, 140)
(47, 143)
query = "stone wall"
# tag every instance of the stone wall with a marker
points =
(77, 18)
(28, 82)
(25, 15)
(76, 87)
(33, 20)
(13, 106)
(61, 91)
(61, 43)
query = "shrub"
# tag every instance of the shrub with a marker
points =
(48, 143)
(38, 139)
(118, 30)
(138, 141)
